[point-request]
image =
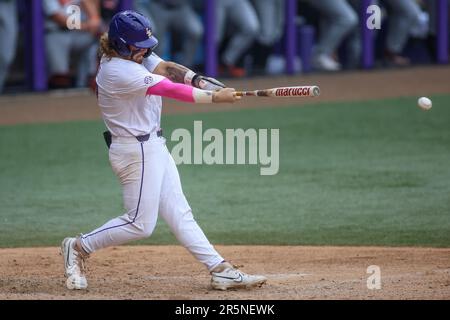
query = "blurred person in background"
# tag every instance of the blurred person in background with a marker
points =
(61, 43)
(8, 37)
(338, 20)
(238, 19)
(402, 15)
(353, 41)
(108, 8)
(431, 7)
(430, 17)
(271, 20)
(175, 16)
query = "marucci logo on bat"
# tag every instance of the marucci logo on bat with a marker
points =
(286, 92)
(282, 92)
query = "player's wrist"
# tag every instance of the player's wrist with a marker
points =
(201, 82)
(190, 77)
(227, 95)
(194, 79)
(203, 96)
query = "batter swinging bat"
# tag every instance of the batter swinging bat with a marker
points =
(299, 91)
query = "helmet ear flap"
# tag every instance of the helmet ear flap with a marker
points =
(120, 47)
(150, 50)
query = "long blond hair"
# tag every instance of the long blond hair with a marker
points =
(105, 48)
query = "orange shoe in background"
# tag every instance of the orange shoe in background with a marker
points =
(236, 72)
(396, 60)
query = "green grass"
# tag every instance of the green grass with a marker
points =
(366, 173)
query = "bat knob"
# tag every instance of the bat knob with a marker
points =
(316, 91)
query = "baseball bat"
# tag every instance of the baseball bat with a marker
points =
(298, 91)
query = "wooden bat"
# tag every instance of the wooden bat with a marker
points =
(298, 91)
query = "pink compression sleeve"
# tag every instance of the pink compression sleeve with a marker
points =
(169, 89)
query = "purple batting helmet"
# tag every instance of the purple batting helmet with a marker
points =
(131, 28)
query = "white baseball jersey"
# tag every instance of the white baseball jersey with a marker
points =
(146, 170)
(122, 96)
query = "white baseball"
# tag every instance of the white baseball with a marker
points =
(424, 103)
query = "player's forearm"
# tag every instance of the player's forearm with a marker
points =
(173, 71)
(60, 19)
(181, 92)
(92, 9)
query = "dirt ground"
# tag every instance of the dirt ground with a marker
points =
(294, 272)
(171, 273)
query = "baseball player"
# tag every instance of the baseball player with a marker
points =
(130, 83)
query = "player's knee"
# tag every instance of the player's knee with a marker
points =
(413, 17)
(147, 230)
(347, 20)
(253, 29)
(353, 20)
(249, 28)
(195, 32)
(143, 230)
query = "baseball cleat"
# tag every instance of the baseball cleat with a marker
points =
(232, 278)
(74, 265)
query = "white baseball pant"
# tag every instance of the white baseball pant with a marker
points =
(150, 184)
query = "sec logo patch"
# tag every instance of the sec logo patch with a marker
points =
(148, 80)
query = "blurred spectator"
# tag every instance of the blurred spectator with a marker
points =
(143, 7)
(62, 43)
(271, 20)
(430, 10)
(175, 16)
(402, 15)
(238, 18)
(337, 21)
(353, 42)
(8, 37)
(108, 8)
